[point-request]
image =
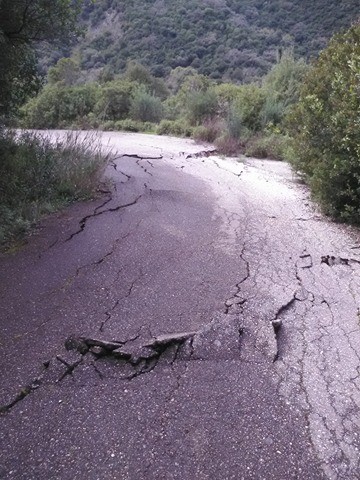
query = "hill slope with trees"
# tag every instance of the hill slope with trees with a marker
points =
(237, 40)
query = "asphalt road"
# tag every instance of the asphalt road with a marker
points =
(198, 320)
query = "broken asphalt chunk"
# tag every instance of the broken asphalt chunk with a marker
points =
(169, 339)
(105, 344)
(83, 345)
(75, 343)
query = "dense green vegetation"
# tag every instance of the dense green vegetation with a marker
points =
(236, 117)
(37, 176)
(325, 125)
(22, 23)
(237, 40)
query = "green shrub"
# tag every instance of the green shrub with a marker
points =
(201, 106)
(37, 176)
(137, 74)
(13, 224)
(108, 126)
(148, 127)
(166, 127)
(282, 87)
(229, 146)
(146, 108)
(58, 105)
(88, 122)
(273, 111)
(114, 100)
(66, 71)
(128, 125)
(234, 123)
(208, 132)
(273, 146)
(248, 106)
(178, 128)
(325, 127)
(226, 94)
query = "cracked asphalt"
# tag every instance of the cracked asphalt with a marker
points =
(198, 320)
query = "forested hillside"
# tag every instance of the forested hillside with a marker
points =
(237, 40)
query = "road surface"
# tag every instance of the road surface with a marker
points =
(198, 320)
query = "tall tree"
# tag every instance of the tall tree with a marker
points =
(24, 23)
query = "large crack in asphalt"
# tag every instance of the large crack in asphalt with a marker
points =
(84, 220)
(332, 260)
(99, 210)
(301, 322)
(143, 167)
(276, 323)
(109, 311)
(97, 262)
(235, 303)
(301, 294)
(312, 275)
(141, 157)
(117, 169)
(201, 154)
(135, 355)
(237, 174)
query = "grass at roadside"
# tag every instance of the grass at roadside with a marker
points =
(38, 176)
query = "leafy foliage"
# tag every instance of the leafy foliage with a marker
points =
(201, 106)
(282, 86)
(60, 106)
(23, 22)
(271, 145)
(326, 124)
(135, 72)
(178, 128)
(223, 39)
(145, 107)
(66, 72)
(65, 102)
(114, 100)
(248, 106)
(234, 116)
(35, 175)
